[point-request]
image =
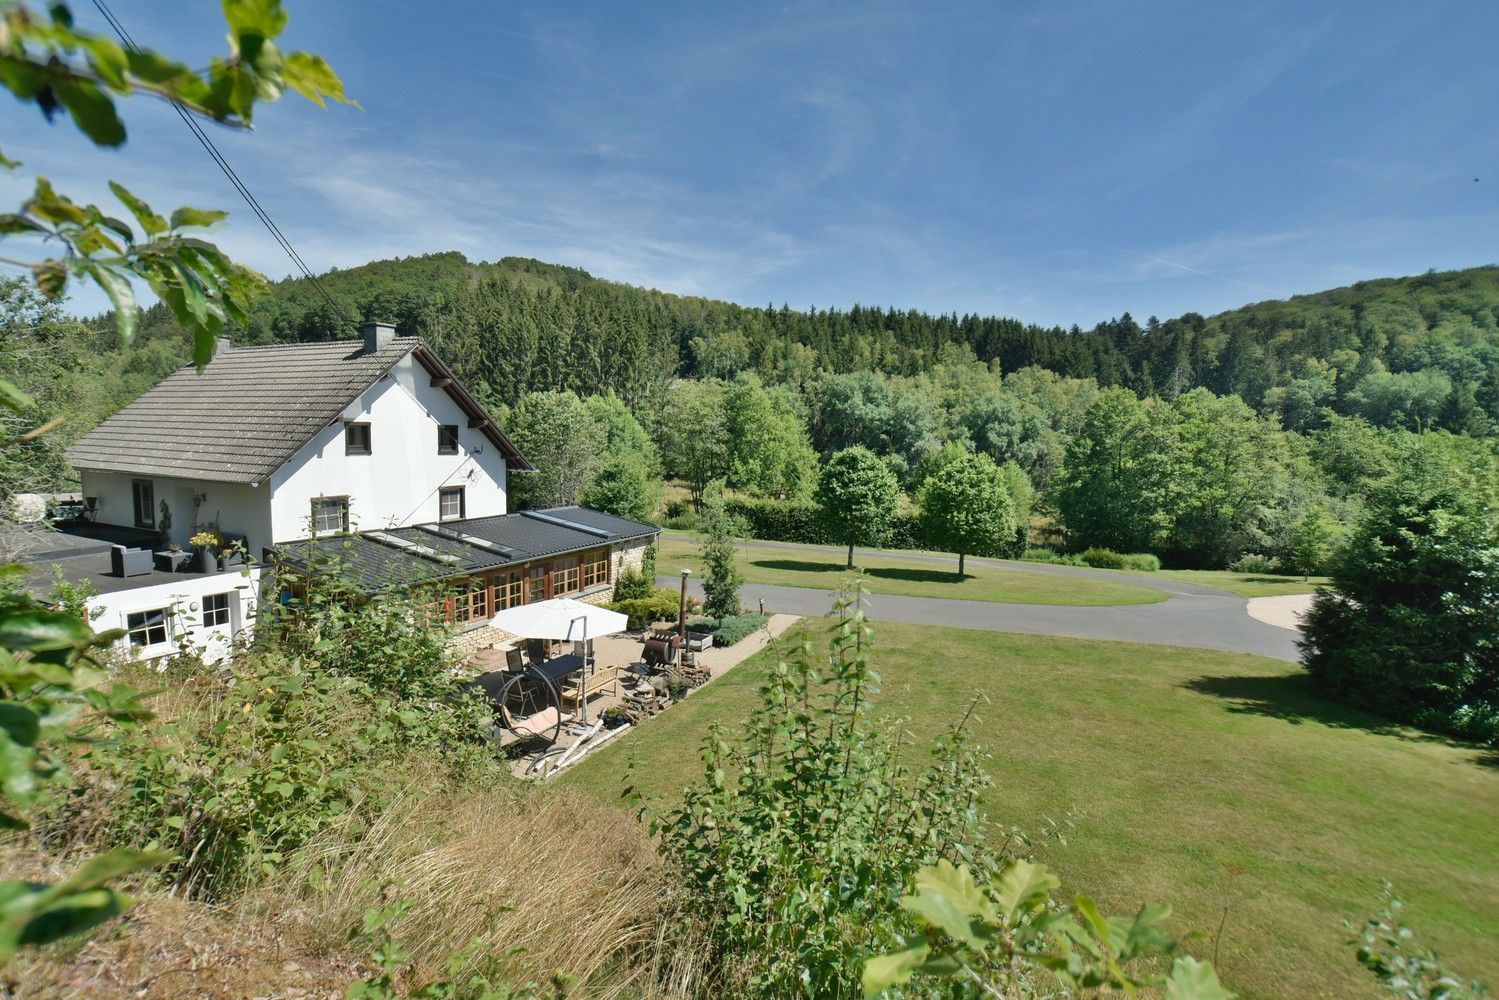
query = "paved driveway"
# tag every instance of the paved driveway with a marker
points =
(1193, 615)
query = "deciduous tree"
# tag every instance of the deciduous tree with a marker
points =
(558, 434)
(965, 507)
(857, 496)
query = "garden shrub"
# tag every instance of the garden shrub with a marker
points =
(632, 584)
(662, 605)
(1103, 559)
(722, 576)
(779, 520)
(1254, 562)
(1142, 562)
(797, 521)
(1041, 555)
(809, 794)
(735, 628)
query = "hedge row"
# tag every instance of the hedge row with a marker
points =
(797, 521)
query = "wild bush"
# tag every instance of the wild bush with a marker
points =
(387, 641)
(250, 766)
(794, 848)
(1253, 562)
(1142, 562)
(1387, 948)
(1103, 559)
(992, 934)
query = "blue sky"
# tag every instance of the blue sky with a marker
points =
(1057, 162)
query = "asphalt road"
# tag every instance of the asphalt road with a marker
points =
(1192, 615)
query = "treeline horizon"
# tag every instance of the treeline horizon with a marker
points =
(1405, 353)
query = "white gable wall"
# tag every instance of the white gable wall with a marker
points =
(397, 484)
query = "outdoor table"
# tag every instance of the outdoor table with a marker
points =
(172, 559)
(559, 667)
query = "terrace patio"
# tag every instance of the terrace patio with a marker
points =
(615, 676)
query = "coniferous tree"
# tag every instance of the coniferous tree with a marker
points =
(722, 577)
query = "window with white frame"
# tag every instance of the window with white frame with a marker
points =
(330, 514)
(216, 609)
(450, 503)
(147, 628)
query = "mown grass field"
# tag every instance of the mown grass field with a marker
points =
(824, 569)
(1212, 781)
(1245, 584)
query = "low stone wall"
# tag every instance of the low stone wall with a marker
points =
(474, 639)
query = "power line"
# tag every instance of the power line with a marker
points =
(228, 171)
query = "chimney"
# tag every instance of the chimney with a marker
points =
(376, 335)
(222, 346)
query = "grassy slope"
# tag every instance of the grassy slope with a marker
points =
(892, 574)
(1212, 781)
(1246, 584)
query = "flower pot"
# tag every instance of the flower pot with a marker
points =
(208, 560)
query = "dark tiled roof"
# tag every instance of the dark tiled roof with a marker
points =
(251, 409)
(400, 557)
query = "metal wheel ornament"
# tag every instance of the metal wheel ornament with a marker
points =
(530, 706)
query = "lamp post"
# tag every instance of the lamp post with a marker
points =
(682, 618)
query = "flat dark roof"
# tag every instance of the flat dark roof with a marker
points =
(383, 559)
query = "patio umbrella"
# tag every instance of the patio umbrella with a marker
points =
(560, 618)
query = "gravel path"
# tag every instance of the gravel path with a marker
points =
(1282, 612)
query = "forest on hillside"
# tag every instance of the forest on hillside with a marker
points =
(1256, 433)
(1414, 353)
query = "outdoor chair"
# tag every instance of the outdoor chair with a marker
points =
(129, 562)
(536, 650)
(515, 660)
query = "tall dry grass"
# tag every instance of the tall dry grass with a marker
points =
(546, 881)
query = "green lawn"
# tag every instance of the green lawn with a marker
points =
(1212, 781)
(824, 569)
(1245, 584)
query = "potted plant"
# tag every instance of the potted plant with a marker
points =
(615, 716)
(232, 553)
(207, 544)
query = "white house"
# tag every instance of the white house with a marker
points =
(263, 446)
(272, 444)
(368, 453)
